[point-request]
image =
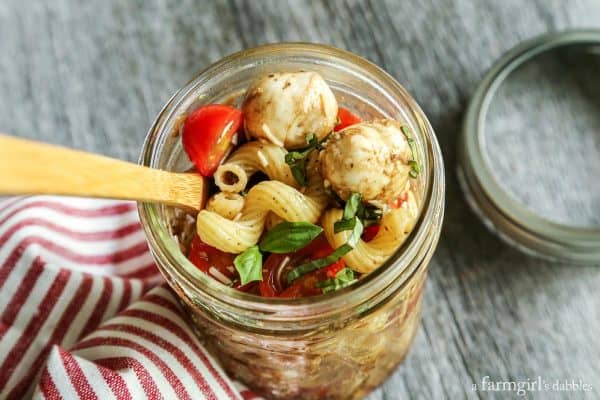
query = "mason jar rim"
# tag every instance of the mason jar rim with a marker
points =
(504, 215)
(383, 281)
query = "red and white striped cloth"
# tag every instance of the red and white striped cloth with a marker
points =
(85, 313)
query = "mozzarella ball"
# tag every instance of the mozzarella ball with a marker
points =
(284, 108)
(370, 158)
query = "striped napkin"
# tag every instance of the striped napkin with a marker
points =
(86, 314)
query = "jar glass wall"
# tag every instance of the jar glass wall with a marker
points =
(339, 345)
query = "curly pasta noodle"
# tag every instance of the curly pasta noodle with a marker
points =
(233, 175)
(365, 257)
(228, 205)
(273, 196)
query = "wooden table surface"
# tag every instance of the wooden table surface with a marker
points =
(93, 75)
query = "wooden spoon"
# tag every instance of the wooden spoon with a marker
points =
(28, 167)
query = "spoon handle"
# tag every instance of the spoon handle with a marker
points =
(28, 167)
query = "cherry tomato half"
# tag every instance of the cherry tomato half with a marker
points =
(271, 284)
(204, 256)
(370, 232)
(347, 118)
(207, 133)
(276, 267)
(305, 286)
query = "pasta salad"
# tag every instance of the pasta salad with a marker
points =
(306, 197)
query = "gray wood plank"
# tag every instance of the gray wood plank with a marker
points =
(93, 74)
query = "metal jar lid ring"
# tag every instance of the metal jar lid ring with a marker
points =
(501, 212)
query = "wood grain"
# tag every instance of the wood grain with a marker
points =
(93, 75)
(32, 167)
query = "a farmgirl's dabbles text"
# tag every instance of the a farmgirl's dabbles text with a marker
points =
(310, 197)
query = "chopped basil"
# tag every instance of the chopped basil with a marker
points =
(337, 286)
(330, 259)
(297, 160)
(313, 142)
(356, 233)
(345, 275)
(344, 225)
(414, 166)
(342, 279)
(299, 172)
(289, 236)
(347, 221)
(369, 215)
(249, 265)
(352, 206)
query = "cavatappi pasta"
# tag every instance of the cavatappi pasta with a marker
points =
(233, 174)
(304, 214)
(227, 204)
(366, 256)
(234, 235)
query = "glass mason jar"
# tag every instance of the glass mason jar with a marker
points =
(340, 345)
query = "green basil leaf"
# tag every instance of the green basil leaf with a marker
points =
(344, 225)
(352, 206)
(345, 275)
(294, 156)
(356, 233)
(406, 131)
(370, 213)
(298, 159)
(414, 168)
(313, 142)
(299, 173)
(330, 259)
(325, 283)
(318, 263)
(289, 236)
(337, 285)
(249, 265)
(297, 162)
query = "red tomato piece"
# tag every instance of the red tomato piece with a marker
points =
(248, 287)
(207, 134)
(397, 203)
(271, 284)
(347, 118)
(318, 248)
(332, 270)
(370, 232)
(204, 257)
(304, 286)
